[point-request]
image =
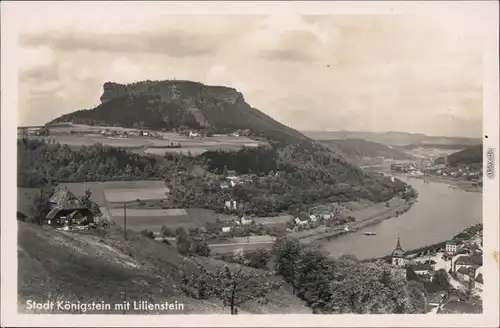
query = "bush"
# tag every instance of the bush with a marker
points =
(200, 248)
(148, 233)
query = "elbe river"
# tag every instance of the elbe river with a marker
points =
(439, 213)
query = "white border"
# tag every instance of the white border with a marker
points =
(11, 10)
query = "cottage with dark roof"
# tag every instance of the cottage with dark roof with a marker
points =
(467, 262)
(68, 210)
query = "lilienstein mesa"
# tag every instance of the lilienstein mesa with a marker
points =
(102, 306)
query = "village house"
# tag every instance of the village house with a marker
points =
(300, 221)
(194, 134)
(466, 273)
(467, 262)
(67, 210)
(245, 221)
(313, 218)
(230, 205)
(227, 229)
(453, 246)
(224, 185)
(423, 269)
(398, 255)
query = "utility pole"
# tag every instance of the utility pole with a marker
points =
(125, 221)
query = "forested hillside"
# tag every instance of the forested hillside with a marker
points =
(357, 149)
(467, 156)
(40, 163)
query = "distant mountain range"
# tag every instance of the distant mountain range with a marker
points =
(468, 156)
(393, 138)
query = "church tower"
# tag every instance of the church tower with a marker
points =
(398, 259)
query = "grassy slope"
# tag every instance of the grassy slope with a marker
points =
(91, 267)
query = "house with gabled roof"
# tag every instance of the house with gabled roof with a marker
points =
(467, 262)
(68, 210)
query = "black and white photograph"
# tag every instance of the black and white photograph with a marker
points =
(331, 158)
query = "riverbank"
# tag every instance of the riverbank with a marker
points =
(466, 185)
(365, 217)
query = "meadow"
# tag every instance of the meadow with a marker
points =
(120, 191)
(77, 135)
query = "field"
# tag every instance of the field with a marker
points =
(84, 135)
(142, 189)
(129, 195)
(154, 219)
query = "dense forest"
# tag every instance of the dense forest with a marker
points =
(286, 179)
(40, 163)
(467, 156)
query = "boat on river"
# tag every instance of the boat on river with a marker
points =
(369, 233)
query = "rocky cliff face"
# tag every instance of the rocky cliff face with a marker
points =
(171, 104)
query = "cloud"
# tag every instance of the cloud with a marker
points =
(296, 45)
(323, 72)
(173, 43)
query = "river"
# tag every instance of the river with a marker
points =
(439, 214)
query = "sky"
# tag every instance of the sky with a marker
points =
(413, 73)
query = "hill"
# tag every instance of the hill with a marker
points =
(95, 267)
(468, 156)
(174, 104)
(392, 138)
(358, 149)
(294, 171)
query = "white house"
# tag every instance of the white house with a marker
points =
(230, 204)
(227, 229)
(300, 222)
(193, 134)
(236, 134)
(453, 246)
(245, 221)
(224, 185)
(313, 218)
(327, 216)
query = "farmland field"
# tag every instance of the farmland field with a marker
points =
(176, 212)
(154, 219)
(185, 151)
(273, 220)
(128, 195)
(99, 188)
(84, 135)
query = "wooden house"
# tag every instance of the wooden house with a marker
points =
(68, 210)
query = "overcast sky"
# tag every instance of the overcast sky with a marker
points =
(365, 73)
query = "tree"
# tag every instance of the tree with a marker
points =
(259, 258)
(200, 248)
(148, 233)
(235, 286)
(441, 280)
(411, 275)
(183, 242)
(41, 205)
(167, 232)
(286, 251)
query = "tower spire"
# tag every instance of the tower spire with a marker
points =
(399, 243)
